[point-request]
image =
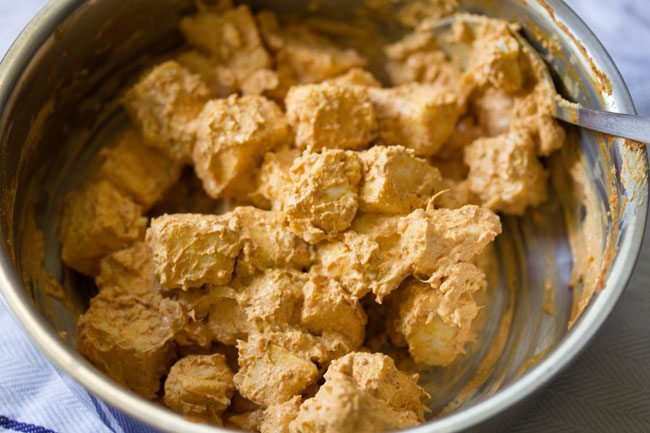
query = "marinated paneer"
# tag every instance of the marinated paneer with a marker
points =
(280, 213)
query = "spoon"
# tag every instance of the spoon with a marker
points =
(628, 126)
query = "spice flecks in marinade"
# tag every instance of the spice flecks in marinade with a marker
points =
(336, 194)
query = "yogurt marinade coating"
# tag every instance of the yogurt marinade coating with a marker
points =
(338, 198)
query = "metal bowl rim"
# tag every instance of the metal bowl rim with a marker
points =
(68, 360)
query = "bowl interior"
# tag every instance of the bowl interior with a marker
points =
(59, 96)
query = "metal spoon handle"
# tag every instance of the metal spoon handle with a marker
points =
(635, 128)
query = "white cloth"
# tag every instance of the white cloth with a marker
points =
(606, 390)
(623, 27)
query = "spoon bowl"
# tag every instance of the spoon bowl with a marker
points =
(632, 127)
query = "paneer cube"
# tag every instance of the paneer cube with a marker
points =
(269, 374)
(231, 139)
(322, 198)
(450, 157)
(275, 174)
(128, 272)
(331, 116)
(505, 174)
(299, 341)
(494, 110)
(418, 58)
(214, 313)
(341, 405)
(268, 244)
(434, 238)
(190, 250)
(206, 68)
(306, 57)
(302, 56)
(234, 44)
(126, 338)
(97, 221)
(496, 58)
(435, 318)
(534, 113)
(379, 252)
(500, 112)
(377, 374)
(227, 321)
(248, 421)
(278, 417)
(272, 297)
(164, 105)
(140, 171)
(223, 35)
(195, 337)
(395, 181)
(200, 387)
(417, 116)
(367, 258)
(327, 307)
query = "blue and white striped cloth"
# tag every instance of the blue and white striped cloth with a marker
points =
(35, 397)
(608, 389)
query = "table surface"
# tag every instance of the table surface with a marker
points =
(608, 388)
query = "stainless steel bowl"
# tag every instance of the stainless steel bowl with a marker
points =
(58, 85)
